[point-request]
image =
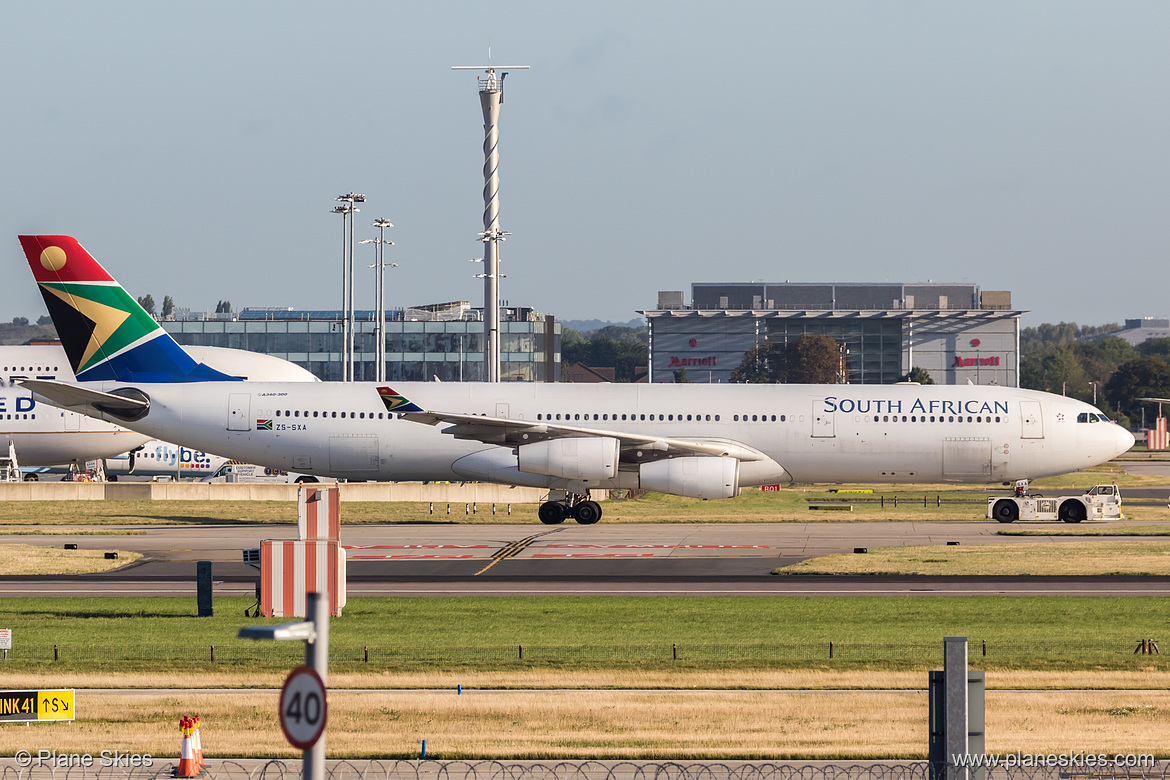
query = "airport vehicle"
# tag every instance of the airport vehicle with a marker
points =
(236, 471)
(703, 441)
(44, 437)
(1100, 502)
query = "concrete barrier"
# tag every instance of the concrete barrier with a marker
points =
(454, 493)
(52, 491)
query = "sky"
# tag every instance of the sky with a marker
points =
(195, 149)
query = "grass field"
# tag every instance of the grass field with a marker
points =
(607, 724)
(1040, 559)
(626, 636)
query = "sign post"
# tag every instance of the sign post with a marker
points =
(303, 704)
(5, 641)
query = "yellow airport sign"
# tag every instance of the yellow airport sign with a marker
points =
(37, 705)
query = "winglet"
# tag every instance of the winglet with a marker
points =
(105, 333)
(397, 403)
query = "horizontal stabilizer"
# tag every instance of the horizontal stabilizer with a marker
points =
(126, 404)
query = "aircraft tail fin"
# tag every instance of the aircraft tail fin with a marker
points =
(105, 332)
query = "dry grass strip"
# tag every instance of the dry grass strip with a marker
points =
(24, 530)
(1090, 530)
(1083, 558)
(607, 724)
(777, 679)
(23, 559)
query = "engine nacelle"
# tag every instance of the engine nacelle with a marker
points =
(693, 477)
(584, 458)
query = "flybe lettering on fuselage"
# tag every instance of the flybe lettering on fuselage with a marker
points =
(182, 455)
(919, 406)
(20, 403)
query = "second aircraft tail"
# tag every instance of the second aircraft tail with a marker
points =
(105, 332)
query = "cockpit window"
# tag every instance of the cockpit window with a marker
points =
(1090, 417)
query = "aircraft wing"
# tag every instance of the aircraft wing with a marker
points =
(79, 398)
(634, 447)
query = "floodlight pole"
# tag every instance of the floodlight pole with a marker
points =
(491, 97)
(350, 198)
(344, 212)
(380, 294)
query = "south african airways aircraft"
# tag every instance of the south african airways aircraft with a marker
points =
(704, 441)
(43, 436)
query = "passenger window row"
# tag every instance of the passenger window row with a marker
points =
(661, 417)
(942, 418)
(629, 417)
(342, 415)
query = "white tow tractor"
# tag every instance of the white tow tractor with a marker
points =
(1100, 502)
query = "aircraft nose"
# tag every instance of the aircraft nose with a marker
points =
(1125, 440)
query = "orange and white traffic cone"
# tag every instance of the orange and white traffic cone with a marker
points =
(187, 766)
(197, 743)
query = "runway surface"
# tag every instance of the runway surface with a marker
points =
(448, 558)
(659, 559)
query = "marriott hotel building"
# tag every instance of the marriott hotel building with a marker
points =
(956, 332)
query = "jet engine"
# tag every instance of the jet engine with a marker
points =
(583, 458)
(702, 477)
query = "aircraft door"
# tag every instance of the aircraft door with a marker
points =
(239, 405)
(502, 410)
(823, 426)
(72, 421)
(1031, 419)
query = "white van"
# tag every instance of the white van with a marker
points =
(235, 471)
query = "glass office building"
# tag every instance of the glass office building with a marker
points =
(955, 332)
(444, 342)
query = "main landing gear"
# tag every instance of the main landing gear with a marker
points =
(578, 507)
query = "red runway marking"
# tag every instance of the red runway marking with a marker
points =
(388, 556)
(664, 546)
(615, 546)
(593, 555)
(416, 546)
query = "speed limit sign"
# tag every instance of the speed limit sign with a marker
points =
(302, 707)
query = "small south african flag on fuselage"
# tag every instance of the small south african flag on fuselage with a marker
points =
(397, 403)
(264, 425)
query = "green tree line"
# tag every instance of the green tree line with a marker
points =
(1110, 371)
(621, 347)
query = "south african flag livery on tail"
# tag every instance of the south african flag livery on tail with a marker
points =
(105, 333)
(397, 403)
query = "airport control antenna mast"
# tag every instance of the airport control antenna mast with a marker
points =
(491, 97)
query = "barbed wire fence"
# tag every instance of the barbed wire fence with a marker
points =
(576, 770)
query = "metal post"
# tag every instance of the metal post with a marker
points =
(203, 580)
(955, 717)
(317, 656)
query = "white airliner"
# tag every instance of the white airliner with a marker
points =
(162, 459)
(45, 436)
(705, 441)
